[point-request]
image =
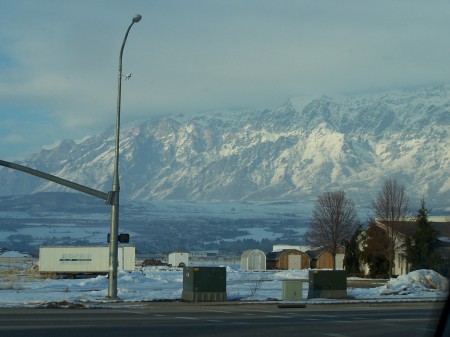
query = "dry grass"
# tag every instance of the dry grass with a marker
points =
(12, 275)
(8, 278)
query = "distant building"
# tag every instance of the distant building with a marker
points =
(205, 253)
(280, 247)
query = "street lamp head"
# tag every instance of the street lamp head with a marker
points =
(137, 18)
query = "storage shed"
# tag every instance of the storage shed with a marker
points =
(253, 260)
(322, 258)
(288, 259)
(178, 259)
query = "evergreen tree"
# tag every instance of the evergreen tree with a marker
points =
(353, 255)
(421, 247)
(375, 246)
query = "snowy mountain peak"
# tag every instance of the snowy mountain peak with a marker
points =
(298, 150)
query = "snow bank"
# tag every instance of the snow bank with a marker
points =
(422, 280)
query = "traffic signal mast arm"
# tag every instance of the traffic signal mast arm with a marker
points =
(108, 197)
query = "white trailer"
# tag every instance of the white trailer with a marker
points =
(83, 259)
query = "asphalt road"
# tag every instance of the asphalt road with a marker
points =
(411, 320)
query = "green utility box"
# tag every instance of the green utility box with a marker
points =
(292, 290)
(327, 284)
(204, 284)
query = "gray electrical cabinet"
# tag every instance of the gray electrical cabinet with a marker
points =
(292, 290)
(204, 284)
(327, 284)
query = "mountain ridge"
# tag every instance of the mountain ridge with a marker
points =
(297, 150)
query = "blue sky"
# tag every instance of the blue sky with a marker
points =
(59, 58)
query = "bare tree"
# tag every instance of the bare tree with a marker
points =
(334, 221)
(390, 208)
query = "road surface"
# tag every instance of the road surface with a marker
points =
(168, 319)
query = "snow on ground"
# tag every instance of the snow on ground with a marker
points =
(13, 254)
(163, 283)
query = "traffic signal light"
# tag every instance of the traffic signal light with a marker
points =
(122, 238)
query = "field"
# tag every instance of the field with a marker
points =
(22, 286)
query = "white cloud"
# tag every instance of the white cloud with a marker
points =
(12, 139)
(62, 57)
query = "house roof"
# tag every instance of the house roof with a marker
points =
(247, 253)
(408, 228)
(315, 253)
(273, 256)
(443, 228)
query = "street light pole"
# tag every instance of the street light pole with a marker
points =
(114, 230)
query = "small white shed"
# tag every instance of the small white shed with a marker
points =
(253, 260)
(177, 258)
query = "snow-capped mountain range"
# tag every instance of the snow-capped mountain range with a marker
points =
(293, 152)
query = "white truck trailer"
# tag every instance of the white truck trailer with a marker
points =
(73, 260)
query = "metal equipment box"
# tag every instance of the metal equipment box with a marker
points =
(292, 290)
(327, 284)
(204, 284)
